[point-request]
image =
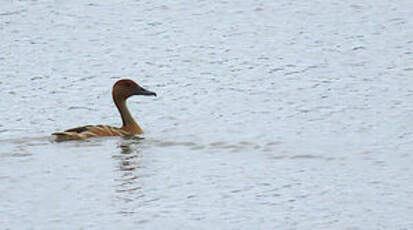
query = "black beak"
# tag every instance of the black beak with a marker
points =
(145, 92)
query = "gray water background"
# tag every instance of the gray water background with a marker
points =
(270, 114)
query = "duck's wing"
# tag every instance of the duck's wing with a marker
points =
(83, 132)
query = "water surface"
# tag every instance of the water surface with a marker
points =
(269, 115)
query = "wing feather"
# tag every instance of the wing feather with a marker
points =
(83, 132)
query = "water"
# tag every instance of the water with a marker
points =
(270, 115)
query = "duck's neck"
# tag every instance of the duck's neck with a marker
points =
(129, 124)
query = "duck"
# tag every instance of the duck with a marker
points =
(121, 91)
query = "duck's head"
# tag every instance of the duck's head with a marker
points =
(125, 88)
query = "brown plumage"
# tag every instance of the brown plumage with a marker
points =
(121, 91)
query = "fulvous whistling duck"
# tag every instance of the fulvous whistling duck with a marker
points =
(121, 91)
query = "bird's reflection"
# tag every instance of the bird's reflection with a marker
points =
(128, 165)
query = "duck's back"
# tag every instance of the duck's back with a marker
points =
(83, 132)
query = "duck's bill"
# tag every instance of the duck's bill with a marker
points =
(145, 92)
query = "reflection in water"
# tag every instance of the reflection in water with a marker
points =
(128, 162)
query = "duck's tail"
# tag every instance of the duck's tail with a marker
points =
(67, 136)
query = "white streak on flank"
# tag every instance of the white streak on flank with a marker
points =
(89, 134)
(108, 130)
(116, 132)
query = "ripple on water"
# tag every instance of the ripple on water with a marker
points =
(217, 145)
